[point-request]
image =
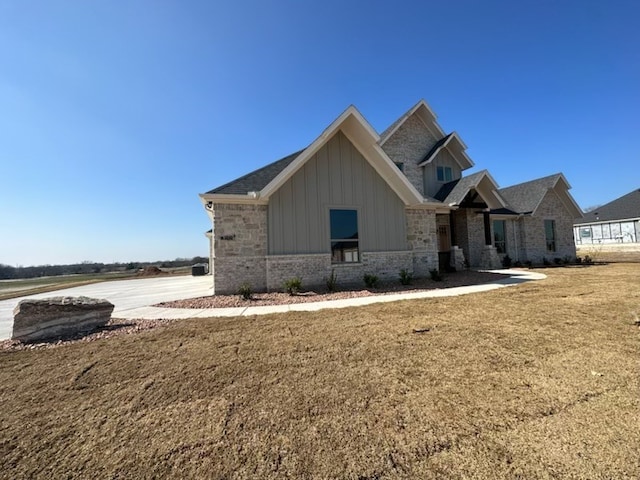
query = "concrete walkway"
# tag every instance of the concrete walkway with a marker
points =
(132, 298)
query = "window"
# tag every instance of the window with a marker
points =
(585, 232)
(400, 166)
(550, 234)
(499, 236)
(444, 174)
(344, 236)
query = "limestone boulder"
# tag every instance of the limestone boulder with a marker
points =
(50, 318)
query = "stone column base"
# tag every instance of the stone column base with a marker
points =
(457, 258)
(489, 258)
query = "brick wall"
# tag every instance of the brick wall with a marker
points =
(422, 240)
(239, 247)
(409, 145)
(533, 234)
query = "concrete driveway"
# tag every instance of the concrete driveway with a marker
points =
(126, 295)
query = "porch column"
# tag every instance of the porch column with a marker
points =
(487, 227)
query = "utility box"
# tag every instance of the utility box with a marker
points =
(199, 269)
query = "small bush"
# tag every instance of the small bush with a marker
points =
(545, 261)
(578, 260)
(587, 260)
(557, 261)
(332, 282)
(245, 291)
(436, 276)
(528, 263)
(405, 277)
(566, 260)
(293, 285)
(517, 264)
(506, 261)
(370, 280)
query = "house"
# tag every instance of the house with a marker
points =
(616, 222)
(356, 202)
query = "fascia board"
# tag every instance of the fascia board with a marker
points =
(231, 198)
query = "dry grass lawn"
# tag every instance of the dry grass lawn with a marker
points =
(535, 381)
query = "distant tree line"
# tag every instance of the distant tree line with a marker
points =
(7, 272)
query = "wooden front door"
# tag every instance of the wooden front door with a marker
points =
(444, 242)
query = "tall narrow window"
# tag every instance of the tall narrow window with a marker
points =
(444, 174)
(550, 234)
(344, 236)
(499, 236)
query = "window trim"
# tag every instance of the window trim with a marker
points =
(503, 242)
(444, 169)
(551, 245)
(332, 240)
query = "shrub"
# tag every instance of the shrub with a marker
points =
(506, 261)
(587, 260)
(578, 260)
(518, 264)
(545, 261)
(245, 291)
(566, 260)
(293, 285)
(436, 276)
(405, 277)
(557, 261)
(332, 282)
(370, 280)
(528, 263)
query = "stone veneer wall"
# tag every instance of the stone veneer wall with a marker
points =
(470, 234)
(533, 234)
(315, 269)
(422, 239)
(240, 254)
(409, 145)
(239, 247)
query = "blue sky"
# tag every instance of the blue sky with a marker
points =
(115, 115)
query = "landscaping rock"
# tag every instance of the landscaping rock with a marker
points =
(51, 318)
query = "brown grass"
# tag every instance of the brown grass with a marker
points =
(535, 381)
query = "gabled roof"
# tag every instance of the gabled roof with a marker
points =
(424, 112)
(259, 185)
(623, 208)
(456, 147)
(256, 180)
(526, 197)
(454, 193)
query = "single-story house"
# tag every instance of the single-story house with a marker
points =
(616, 222)
(355, 202)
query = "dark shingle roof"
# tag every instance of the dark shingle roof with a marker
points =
(435, 148)
(454, 192)
(627, 206)
(525, 197)
(258, 179)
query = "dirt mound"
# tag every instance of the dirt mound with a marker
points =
(151, 271)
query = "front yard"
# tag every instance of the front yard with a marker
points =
(540, 380)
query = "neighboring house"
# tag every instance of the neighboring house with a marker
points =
(355, 202)
(616, 222)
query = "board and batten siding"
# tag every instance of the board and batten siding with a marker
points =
(337, 176)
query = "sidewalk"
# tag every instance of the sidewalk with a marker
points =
(515, 277)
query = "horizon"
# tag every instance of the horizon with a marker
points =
(117, 117)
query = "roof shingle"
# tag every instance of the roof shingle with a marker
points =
(625, 207)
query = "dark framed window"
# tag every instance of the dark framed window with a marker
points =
(444, 174)
(344, 236)
(500, 235)
(550, 234)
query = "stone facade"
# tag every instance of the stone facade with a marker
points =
(532, 235)
(409, 145)
(239, 246)
(422, 240)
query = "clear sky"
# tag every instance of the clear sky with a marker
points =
(114, 115)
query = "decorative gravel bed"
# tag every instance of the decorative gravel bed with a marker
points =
(455, 279)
